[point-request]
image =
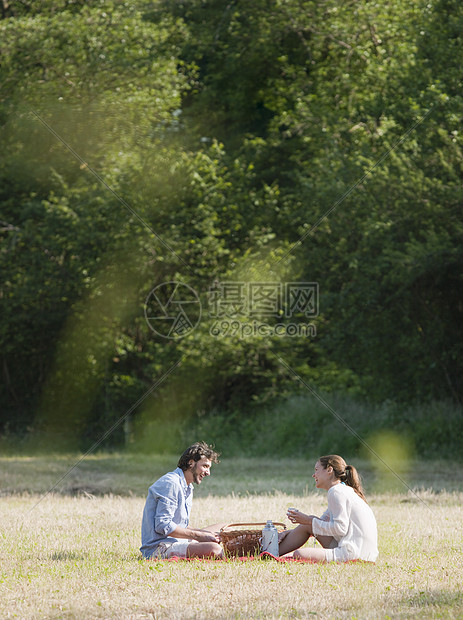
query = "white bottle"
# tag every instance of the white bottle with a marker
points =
(270, 539)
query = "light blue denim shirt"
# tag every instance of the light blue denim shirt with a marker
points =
(167, 506)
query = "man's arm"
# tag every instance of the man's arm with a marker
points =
(169, 496)
(194, 534)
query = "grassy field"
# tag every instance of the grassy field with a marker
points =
(74, 553)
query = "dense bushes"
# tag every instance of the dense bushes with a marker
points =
(212, 141)
(304, 425)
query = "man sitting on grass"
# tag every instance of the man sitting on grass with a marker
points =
(165, 531)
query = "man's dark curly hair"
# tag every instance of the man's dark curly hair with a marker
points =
(196, 452)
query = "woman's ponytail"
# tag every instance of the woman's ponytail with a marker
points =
(346, 473)
(353, 480)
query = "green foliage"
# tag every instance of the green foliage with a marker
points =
(304, 425)
(215, 140)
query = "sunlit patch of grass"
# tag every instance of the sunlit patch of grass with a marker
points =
(77, 557)
(128, 474)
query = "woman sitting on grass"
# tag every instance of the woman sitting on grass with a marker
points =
(346, 530)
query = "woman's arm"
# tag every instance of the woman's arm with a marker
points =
(339, 511)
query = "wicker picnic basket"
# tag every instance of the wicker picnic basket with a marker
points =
(243, 542)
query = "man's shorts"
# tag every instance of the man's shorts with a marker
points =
(166, 550)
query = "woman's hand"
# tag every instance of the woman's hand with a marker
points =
(296, 516)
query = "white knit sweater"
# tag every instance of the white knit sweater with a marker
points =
(351, 522)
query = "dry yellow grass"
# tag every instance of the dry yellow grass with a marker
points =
(77, 557)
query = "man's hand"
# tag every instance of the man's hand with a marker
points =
(205, 536)
(194, 534)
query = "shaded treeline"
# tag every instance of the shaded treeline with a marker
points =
(214, 141)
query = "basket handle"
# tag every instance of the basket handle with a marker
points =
(264, 523)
